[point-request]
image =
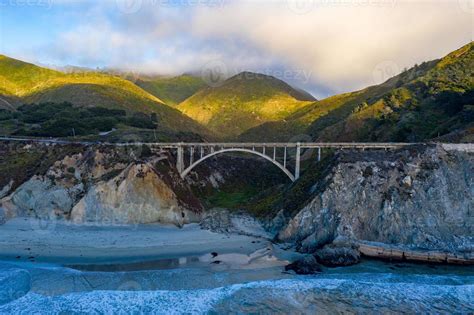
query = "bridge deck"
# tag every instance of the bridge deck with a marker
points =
(171, 145)
(275, 152)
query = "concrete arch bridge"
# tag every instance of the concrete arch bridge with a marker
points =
(286, 156)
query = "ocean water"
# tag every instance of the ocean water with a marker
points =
(371, 287)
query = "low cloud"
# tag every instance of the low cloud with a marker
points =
(344, 42)
(339, 45)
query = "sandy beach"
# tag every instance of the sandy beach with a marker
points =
(28, 239)
(57, 268)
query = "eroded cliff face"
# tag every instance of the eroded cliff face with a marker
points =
(421, 198)
(105, 185)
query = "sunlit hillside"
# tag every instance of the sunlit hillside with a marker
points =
(25, 83)
(429, 100)
(243, 102)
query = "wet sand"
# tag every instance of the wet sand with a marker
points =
(27, 239)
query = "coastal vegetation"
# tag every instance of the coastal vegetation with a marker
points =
(428, 101)
(431, 100)
(65, 120)
(24, 83)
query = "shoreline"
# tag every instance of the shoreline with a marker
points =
(22, 240)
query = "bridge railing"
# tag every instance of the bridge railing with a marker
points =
(171, 145)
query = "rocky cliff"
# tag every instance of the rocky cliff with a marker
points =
(100, 184)
(411, 203)
(421, 198)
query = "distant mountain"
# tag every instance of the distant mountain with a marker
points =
(242, 102)
(434, 99)
(25, 83)
(172, 90)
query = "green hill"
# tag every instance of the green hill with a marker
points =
(429, 100)
(33, 83)
(172, 90)
(25, 83)
(243, 102)
(434, 100)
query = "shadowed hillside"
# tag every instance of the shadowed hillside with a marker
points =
(172, 90)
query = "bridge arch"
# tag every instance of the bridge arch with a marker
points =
(281, 167)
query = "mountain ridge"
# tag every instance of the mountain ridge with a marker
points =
(243, 101)
(412, 106)
(26, 83)
(431, 100)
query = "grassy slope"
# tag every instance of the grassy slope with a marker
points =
(418, 104)
(325, 112)
(428, 101)
(33, 84)
(172, 90)
(242, 102)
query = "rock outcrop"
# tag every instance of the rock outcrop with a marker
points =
(305, 266)
(108, 186)
(224, 221)
(420, 198)
(414, 204)
(137, 195)
(335, 256)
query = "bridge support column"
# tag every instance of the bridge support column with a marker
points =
(298, 157)
(319, 154)
(180, 159)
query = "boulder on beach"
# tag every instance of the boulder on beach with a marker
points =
(305, 266)
(335, 256)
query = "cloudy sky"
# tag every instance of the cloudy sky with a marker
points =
(324, 46)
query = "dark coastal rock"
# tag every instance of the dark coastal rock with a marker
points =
(217, 220)
(221, 220)
(305, 266)
(335, 256)
(419, 197)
